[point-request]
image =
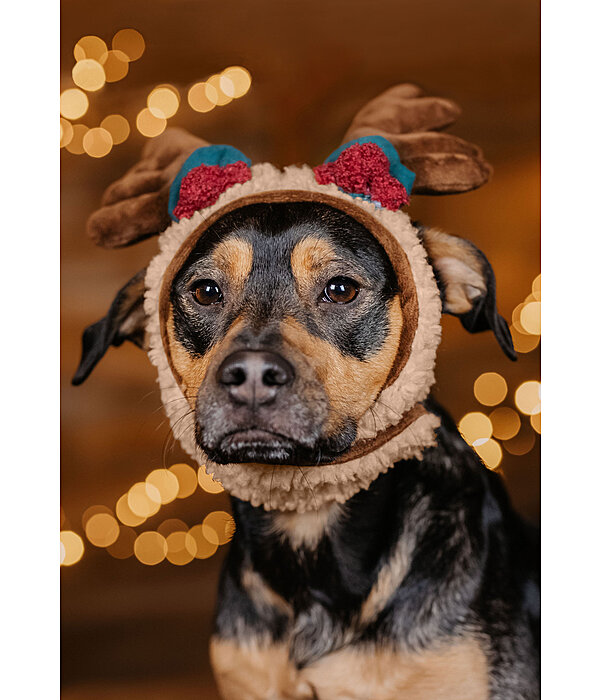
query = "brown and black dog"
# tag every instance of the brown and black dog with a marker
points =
(283, 323)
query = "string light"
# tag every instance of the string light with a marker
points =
(90, 47)
(117, 126)
(97, 142)
(187, 479)
(198, 99)
(116, 65)
(130, 42)
(162, 486)
(528, 398)
(475, 428)
(102, 530)
(206, 540)
(149, 125)
(530, 317)
(505, 423)
(66, 132)
(72, 548)
(221, 524)
(163, 101)
(73, 103)
(75, 145)
(89, 75)
(150, 548)
(490, 453)
(207, 483)
(490, 388)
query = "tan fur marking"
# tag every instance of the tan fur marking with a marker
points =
(452, 672)
(309, 257)
(255, 671)
(306, 529)
(460, 268)
(262, 594)
(351, 385)
(234, 257)
(192, 370)
(262, 671)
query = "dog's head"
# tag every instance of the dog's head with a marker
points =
(291, 322)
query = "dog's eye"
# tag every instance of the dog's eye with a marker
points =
(340, 290)
(207, 292)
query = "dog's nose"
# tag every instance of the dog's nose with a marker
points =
(254, 377)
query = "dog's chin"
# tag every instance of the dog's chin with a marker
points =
(263, 447)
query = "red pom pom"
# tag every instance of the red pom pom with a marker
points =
(203, 185)
(363, 168)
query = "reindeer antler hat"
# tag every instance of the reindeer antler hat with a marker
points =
(393, 148)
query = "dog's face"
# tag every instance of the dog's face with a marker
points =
(283, 326)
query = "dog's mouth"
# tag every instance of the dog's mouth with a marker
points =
(254, 445)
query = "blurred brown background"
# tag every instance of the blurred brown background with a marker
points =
(135, 631)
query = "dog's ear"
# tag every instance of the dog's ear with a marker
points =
(467, 284)
(125, 320)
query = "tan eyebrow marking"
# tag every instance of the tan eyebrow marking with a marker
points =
(309, 257)
(234, 257)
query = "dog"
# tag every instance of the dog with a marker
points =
(282, 321)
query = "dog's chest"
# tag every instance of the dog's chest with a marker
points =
(455, 671)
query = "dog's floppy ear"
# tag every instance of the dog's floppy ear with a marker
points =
(467, 284)
(125, 320)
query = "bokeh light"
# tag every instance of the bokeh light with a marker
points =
(522, 443)
(181, 548)
(172, 525)
(516, 318)
(536, 288)
(163, 101)
(122, 548)
(206, 539)
(505, 423)
(524, 342)
(97, 142)
(73, 103)
(222, 524)
(214, 92)
(149, 125)
(531, 317)
(89, 75)
(207, 483)
(490, 388)
(187, 478)
(536, 422)
(73, 547)
(75, 145)
(117, 126)
(125, 514)
(150, 548)
(130, 42)
(236, 81)
(162, 486)
(528, 398)
(116, 66)
(475, 428)
(490, 453)
(66, 132)
(198, 99)
(93, 510)
(102, 530)
(139, 501)
(90, 47)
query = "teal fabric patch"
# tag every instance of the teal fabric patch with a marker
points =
(207, 155)
(397, 170)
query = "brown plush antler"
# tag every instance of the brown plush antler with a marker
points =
(136, 206)
(443, 164)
